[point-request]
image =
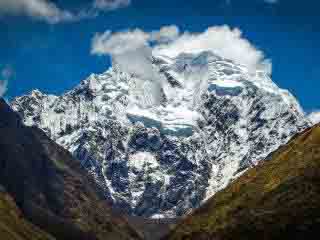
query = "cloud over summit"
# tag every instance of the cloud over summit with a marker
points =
(222, 40)
(131, 51)
(165, 34)
(119, 42)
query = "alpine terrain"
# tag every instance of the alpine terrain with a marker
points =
(278, 199)
(160, 143)
(45, 194)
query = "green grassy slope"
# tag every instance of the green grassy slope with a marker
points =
(279, 199)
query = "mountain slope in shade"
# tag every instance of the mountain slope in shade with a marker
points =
(52, 190)
(13, 226)
(160, 145)
(279, 199)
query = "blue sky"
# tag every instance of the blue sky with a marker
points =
(52, 52)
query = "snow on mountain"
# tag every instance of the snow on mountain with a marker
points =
(314, 117)
(161, 147)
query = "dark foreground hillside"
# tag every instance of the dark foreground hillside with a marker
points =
(279, 199)
(49, 190)
(153, 229)
(13, 226)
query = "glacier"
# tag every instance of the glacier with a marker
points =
(159, 148)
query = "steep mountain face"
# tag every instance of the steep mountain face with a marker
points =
(161, 143)
(50, 188)
(278, 199)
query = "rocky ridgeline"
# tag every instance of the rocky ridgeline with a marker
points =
(160, 147)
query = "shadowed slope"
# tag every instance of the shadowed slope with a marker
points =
(13, 226)
(279, 199)
(51, 188)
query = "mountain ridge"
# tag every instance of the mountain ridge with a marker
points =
(278, 199)
(51, 189)
(161, 146)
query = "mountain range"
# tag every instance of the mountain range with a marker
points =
(45, 194)
(159, 143)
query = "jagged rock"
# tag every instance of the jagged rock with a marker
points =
(162, 156)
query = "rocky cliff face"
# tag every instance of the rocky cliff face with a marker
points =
(160, 146)
(49, 189)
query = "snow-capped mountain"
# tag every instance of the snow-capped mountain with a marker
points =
(160, 146)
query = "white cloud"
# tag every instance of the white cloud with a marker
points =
(39, 9)
(108, 5)
(165, 34)
(49, 12)
(131, 50)
(314, 117)
(147, 87)
(124, 41)
(118, 43)
(222, 40)
(7, 72)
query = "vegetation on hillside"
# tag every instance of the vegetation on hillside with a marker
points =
(13, 226)
(278, 199)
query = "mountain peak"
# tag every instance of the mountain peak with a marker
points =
(36, 93)
(197, 121)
